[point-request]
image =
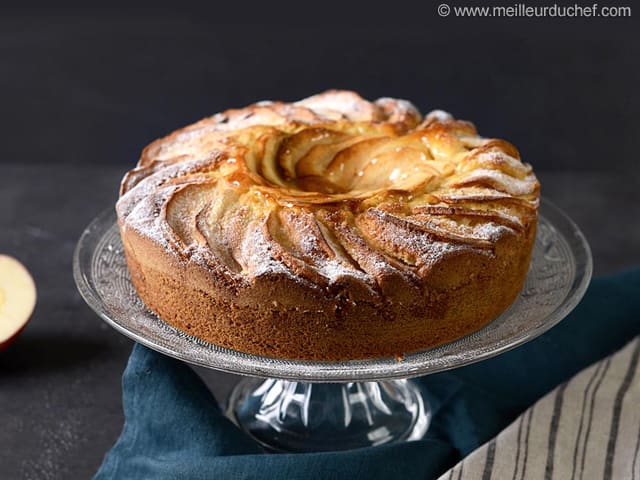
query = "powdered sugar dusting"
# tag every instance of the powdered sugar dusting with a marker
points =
(255, 253)
(144, 217)
(311, 243)
(490, 231)
(500, 181)
(439, 115)
(422, 244)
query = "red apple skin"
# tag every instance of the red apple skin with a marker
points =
(11, 339)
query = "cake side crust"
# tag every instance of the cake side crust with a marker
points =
(278, 316)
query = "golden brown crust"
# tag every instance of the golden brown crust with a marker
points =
(332, 228)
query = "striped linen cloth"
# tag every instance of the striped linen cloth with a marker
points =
(587, 428)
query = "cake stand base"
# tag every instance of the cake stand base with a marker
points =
(286, 416)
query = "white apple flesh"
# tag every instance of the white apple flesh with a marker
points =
(17, 298)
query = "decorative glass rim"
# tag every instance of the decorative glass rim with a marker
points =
(558, 277)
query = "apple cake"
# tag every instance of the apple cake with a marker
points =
(331, 228)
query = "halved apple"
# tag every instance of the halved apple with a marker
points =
(17, 298)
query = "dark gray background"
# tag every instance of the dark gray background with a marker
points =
(95, 86)
(82, 91)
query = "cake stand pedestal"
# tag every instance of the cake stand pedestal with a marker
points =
(302, 406)
(310, 417)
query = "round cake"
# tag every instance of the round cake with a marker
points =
(332, 228)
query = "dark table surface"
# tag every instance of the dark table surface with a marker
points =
(82, 90)
(60, 404)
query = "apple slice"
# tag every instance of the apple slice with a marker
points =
(17, 298)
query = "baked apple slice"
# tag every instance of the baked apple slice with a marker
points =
(17, 298)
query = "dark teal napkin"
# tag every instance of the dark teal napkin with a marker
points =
(174, 428)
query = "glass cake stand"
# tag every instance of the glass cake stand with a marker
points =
(296, 406)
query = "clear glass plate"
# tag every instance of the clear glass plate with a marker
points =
(558, 276)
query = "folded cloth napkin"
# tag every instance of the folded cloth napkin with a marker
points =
(587, 428)
(174, 429)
